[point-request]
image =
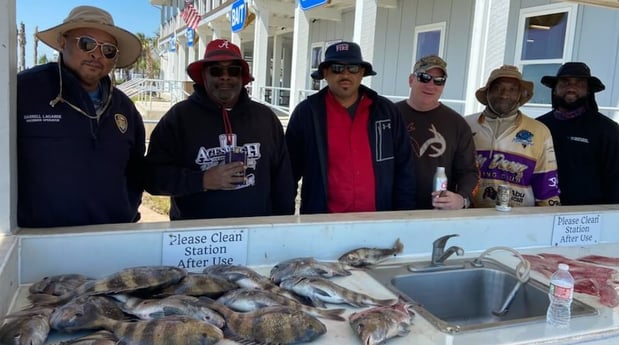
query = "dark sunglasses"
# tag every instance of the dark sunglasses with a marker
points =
(426, 78)
(339, 68)
(88, 44)
(218, 71)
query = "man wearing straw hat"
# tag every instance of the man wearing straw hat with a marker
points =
(587, 142)
(80, 140)
(512, 148)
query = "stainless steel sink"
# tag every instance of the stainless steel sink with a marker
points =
(461, 297)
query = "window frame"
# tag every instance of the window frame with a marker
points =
(419, 29)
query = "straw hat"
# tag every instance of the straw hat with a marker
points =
(129, 45)
(506, 71)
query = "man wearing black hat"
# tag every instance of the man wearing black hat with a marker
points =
(219, 154)
(348, 143)
(586, 142)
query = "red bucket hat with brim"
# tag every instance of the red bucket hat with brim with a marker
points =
(219, 50)
(574, 70)
(506, 71)
(129, 45)
(346, 53)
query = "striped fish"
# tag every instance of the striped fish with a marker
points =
(26, 327)
(102, 337)
(308, 267)
(127, 280)
(270, 325)
(252, 299)
(320, 290)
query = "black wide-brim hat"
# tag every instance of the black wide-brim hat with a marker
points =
(574, 70)
(345, 53)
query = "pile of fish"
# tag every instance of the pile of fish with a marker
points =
(593, 274)
(164, 305)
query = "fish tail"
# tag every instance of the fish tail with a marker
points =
(41, 299)
(330, 314)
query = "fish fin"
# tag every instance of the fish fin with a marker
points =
(158, 315)
(318, 302)
(403, 329)
(398, 247)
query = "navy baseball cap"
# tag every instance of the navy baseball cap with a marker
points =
(346, 53)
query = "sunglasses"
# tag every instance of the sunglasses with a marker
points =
(218, 71)
(88, 44)
(425, 78)
(339, 68)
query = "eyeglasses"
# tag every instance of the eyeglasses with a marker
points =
(425, 78)
(339, 68)
(88, 44)
(218, 71)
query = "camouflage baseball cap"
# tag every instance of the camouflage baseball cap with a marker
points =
(429, 62)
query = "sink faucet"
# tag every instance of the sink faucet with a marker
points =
(439, 254)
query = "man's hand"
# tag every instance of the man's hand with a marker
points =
(446, 200)
(224, 176)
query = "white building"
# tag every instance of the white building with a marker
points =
(285, 42)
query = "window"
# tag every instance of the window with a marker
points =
(428, 40)
(545, 39)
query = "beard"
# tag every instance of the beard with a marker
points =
(563, 104)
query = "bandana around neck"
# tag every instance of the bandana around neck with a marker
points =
(570, 114)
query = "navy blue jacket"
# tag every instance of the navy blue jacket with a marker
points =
(71, 169)
(190, 139)
(306, 136)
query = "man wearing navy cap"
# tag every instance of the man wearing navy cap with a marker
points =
(348, 143)
(586, 142)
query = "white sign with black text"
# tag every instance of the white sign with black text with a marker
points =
(195, 250)
(576, 229)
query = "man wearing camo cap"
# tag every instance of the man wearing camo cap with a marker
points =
(439, 137)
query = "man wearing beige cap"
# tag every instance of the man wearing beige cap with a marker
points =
(80, 141)
(439, 137)
(512, 148)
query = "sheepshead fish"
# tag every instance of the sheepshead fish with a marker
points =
(320, 290)
(308, 267)
(26, 327)
(149, 309)
(58, 285)
(101, 337)
(253, 299)
(131, 279)
(245, 277)
(174, 330)
(199, 284)
(362, 257)
(64, 317)
(270, 325)
(377, 324)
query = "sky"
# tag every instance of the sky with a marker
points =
(132, 15)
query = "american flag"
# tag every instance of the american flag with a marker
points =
(190, 15)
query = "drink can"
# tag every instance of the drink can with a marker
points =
(503, 198)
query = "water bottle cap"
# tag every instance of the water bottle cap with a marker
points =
(441, 169)
(564, 267)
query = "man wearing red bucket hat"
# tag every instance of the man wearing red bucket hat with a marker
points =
(348, 143)
(219, 154)
(586, 142)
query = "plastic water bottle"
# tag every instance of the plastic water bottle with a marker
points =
(560, 293)
(440, 179)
